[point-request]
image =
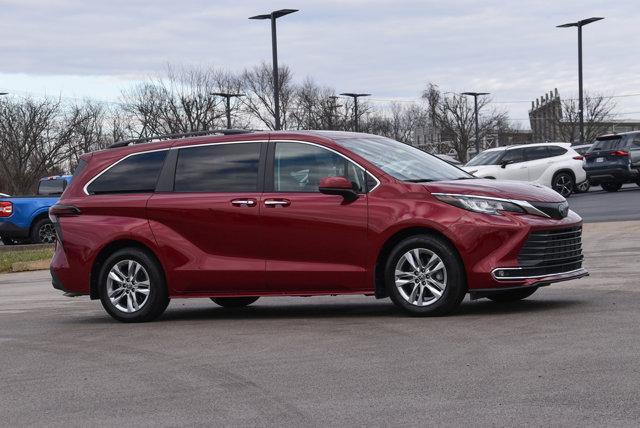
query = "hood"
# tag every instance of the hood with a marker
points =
(507, 189)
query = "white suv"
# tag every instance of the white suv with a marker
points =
(554, 165)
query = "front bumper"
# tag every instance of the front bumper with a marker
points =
(502, 246)
(11, 230)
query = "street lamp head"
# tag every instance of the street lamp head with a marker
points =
(580, 23)
(4, 93)
(225, 94)
(354, 95)
(475, 94)
(275, 14)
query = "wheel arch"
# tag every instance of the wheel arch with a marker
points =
(392, 241)
(568, 171)
(109, 249)
(36, 218)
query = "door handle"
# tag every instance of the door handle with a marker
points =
(243, 202)
(274, 203)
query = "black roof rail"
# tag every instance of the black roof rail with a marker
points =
(180, 135)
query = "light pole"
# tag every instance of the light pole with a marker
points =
(475, 96)
(355, 106)
(274, 49)
(228, 97)
(333, 110)
(580, 24)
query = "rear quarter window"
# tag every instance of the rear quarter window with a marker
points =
(556, 151)
(137, 173)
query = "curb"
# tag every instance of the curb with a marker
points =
(29, 266)
(8, 248)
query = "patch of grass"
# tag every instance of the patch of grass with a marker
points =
(10, 257)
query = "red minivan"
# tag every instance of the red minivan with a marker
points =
(239, 216)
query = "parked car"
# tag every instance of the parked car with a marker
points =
(236, 217)
(582, 150)
(614, 160)
(555, 165)
(25, 219)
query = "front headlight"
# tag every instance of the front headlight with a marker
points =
(480, 204)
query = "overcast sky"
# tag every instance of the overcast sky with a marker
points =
(88, 48)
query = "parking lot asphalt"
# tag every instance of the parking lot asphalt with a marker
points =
(569, 355)
(598, 205)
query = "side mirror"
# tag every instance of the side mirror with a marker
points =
(504, 164)
(338, 186)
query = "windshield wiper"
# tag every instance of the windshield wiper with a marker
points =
(467, 178)
(419, 180)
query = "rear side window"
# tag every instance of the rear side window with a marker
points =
(136, 174)
(557, 151)
(51, 187)
(535, 153)
(513, 156)
(218, 168)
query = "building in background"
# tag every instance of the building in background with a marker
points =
(549, 121)
(545, 117)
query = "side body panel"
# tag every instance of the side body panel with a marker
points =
(209, 244)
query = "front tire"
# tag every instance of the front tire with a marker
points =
(563, 183)
(424, 276)
(512, 295)
(132, 286)
(234, 302)
(43, 232)
(611, 187)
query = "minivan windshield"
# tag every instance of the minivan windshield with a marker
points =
(403, 161)
(486, 158)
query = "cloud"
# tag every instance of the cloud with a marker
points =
(388, 48)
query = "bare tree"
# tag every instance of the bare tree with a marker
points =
(86, 123)
(456, 118)
(179, 102)
(34, 142)
(597, 111)
(406, 119)
(258, 85)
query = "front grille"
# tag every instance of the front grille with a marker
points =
(557, 210)
(548, 252)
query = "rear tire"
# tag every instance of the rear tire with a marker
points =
(583, 187)
(234, 302)
(132, 286)
(512, 295)
(424, 276)
(563, 183)
(611, 187)
(43, 232)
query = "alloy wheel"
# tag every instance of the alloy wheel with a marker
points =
(563, 185)
(421, 277)
(128, 286)
(47, 233)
